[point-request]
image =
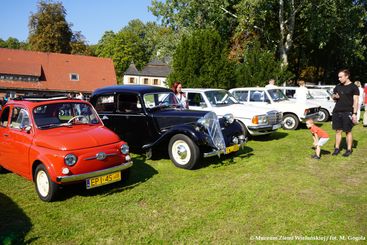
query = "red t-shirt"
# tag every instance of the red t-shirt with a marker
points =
(321, 133)
(365, 95)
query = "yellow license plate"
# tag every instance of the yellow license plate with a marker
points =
(103, 180)
(232, 148)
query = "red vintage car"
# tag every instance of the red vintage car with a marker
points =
(57, 141)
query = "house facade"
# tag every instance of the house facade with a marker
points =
(154, 73)
(28, 72)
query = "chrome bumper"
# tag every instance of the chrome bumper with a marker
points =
(220, 152)
(313, 116)
(78, 177)
(265, 127)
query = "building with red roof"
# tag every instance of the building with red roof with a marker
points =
(29, 72)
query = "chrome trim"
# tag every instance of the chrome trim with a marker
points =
(95, 157)
(77, 177)
(220, 152)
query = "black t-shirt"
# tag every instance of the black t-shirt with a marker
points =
(346, 93)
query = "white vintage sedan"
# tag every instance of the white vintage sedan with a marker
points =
(257, 120)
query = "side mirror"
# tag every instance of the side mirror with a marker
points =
(328, 98)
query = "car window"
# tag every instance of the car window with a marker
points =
(128, 103)
(241, 95)
(277, 95)
(60, 114)
(5, 117)
(290, 93)
(19, 118)
(257, 96)
(195, 99)
(160, 100)
(220, 97)
(105, 104)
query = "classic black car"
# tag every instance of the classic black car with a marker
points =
(149, 117)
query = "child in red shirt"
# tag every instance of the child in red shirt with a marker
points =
(320, 137)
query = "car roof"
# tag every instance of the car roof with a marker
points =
(255, 88)
(138, 89)
(41, 101)
(201, 89)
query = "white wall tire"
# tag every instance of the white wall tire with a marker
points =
(183, 152)
(46, 189)
(290, 122)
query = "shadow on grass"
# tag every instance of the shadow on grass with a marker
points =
(272, 136)
(14, 223)
(137, 174)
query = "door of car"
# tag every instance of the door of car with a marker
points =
(258, 97)
(16, 141)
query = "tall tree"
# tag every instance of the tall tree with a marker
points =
(48, 29)
(201, 61)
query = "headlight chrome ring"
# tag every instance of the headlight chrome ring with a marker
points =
(70, 159)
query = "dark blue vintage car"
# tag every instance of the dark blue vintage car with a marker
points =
(149, 118)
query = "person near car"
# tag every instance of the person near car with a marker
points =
(320, 137)
(180, 96)
(360, 99)
(344, 117)
(365, 106)
(301, 92)
(271, 84)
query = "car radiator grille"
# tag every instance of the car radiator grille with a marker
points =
(313, 110)
(215, 131)
(275, 117)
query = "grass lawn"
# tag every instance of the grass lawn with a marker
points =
(272, 189)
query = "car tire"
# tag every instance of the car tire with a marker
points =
(183, 152)
(46, 189)
(324, 115)
(290, 122)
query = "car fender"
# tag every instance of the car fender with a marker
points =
(188, 130)
(37, 157)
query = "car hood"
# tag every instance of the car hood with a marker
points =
(75, 137)
(169, 118)
(291, 105)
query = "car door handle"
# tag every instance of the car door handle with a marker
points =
(105, 118)
(6, 135)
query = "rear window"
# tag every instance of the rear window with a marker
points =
(105, 104)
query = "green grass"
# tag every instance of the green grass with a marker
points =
(272, 188)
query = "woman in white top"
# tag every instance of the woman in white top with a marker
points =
(180, 96)
(301, 92)
(360, 98)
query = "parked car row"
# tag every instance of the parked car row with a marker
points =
(60, 141)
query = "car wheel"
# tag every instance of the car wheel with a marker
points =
(46, 189)
(290, 122)
(323, 115)
(183, 152)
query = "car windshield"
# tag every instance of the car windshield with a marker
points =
(160, 100)
(277, 95)
(220, 97)
(64, 114)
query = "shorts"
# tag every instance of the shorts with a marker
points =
(322, 141)
(342, 121)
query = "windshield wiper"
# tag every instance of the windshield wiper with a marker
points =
(55, 125)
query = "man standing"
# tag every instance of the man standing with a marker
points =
(271, 84)
(346, 96)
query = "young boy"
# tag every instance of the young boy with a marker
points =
(320, 137)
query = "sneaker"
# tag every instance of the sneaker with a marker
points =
(347, 153)
(315, 157)
(336, 152)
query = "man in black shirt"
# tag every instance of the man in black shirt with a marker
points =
(345, 111)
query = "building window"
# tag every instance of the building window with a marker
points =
(146, 81)
(132, 80)
(74, 77)
(155, 82)
(23, 78)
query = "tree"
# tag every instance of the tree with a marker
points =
(201, 61)
(12, 43)
(48, 29)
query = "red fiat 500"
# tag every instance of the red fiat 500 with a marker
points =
(59, 141)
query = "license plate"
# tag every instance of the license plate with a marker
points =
(103, 180)
(232, 148)
(276, 126)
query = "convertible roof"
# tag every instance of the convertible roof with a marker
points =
(138, 89)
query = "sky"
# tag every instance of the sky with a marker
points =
(91, 17)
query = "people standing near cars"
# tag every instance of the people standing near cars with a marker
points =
(271, 84)
(180, 96)
(344, 117)
(365, 106)
(301, 92)
(360, 99)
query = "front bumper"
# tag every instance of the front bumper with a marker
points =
(220, 152)
(313, 116)
(78, 177)
(264, 128)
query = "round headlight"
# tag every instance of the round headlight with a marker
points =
(229, 118)
(70, 159)
(125, 149)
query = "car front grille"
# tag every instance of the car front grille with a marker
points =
(214, 131)
(275, 117)
(313, 110)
